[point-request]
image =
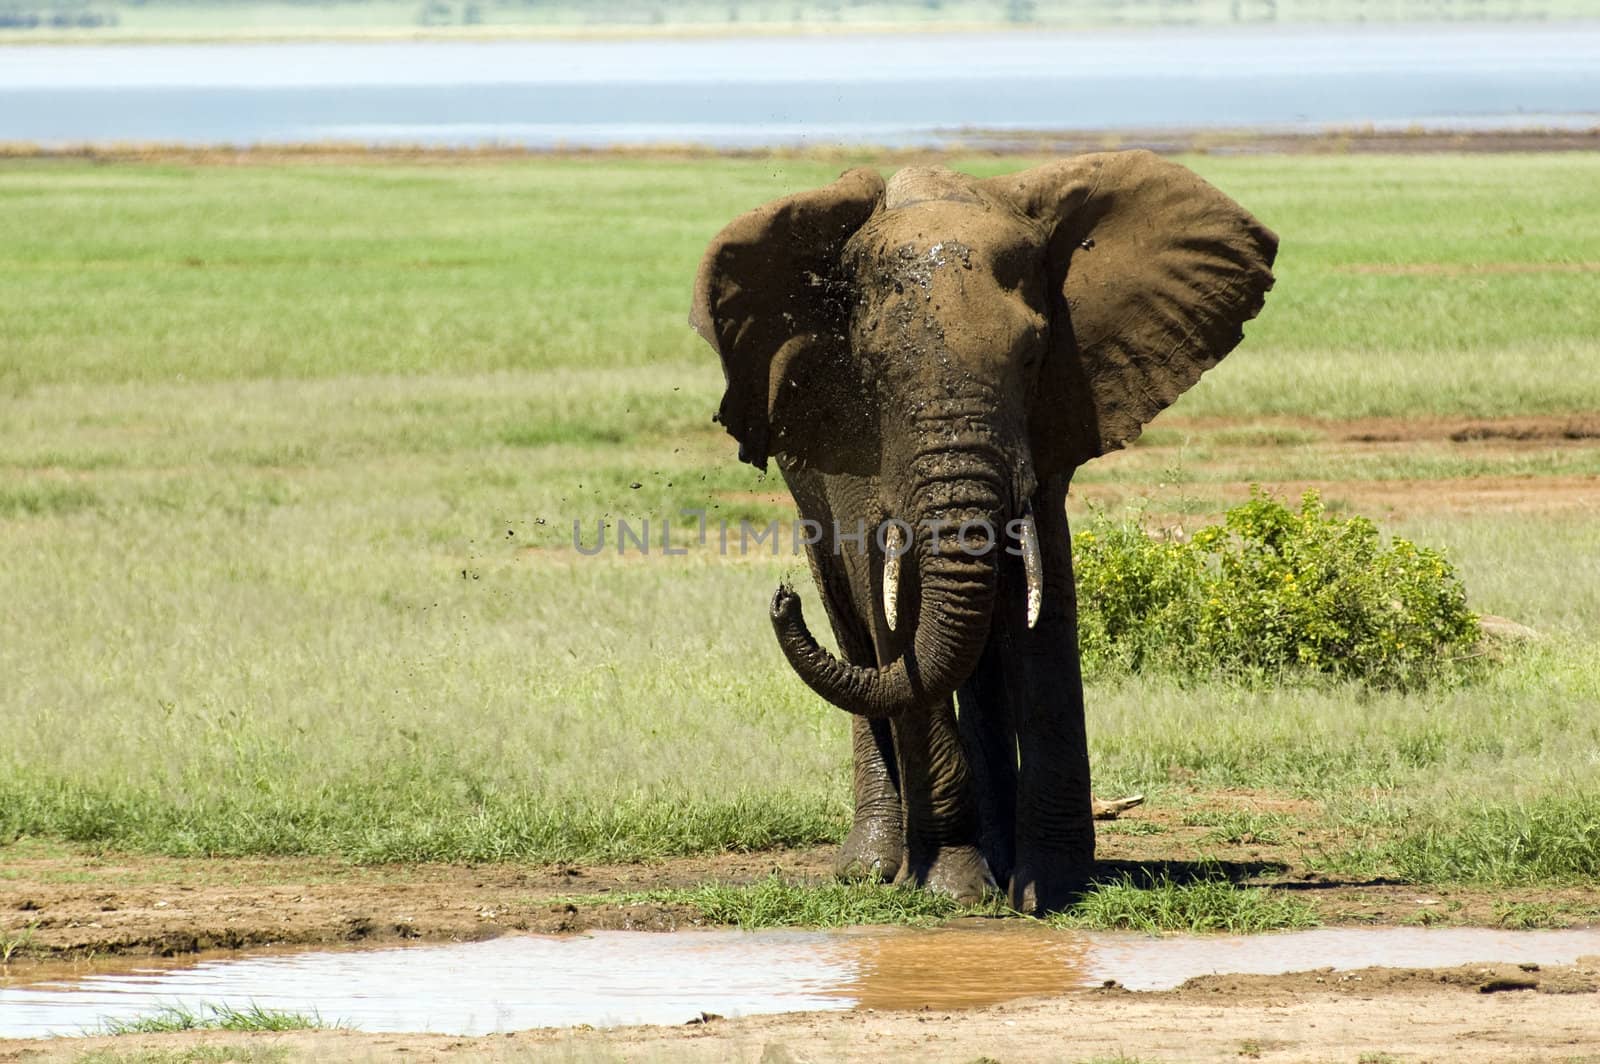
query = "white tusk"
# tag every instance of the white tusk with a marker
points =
(894, 540)
(1032, 566)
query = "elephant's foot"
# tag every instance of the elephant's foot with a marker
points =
(874, 849)
(1047, 881)
(959, 871)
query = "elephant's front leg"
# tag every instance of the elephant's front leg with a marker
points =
(1055, 820)
(874, 849)
(942, 824)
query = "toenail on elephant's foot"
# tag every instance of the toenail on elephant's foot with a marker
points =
(872, 850)
(1049, 883)
(959, 871)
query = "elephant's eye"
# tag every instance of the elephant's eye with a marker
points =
(1033, 340)
(1013, 265)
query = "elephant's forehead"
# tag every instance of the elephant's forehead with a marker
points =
(934, 233)
(914, 184)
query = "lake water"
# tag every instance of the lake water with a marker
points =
(893, 90)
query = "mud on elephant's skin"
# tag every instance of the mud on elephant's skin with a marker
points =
(941, 353)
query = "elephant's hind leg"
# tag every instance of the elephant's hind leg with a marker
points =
(1055, 822)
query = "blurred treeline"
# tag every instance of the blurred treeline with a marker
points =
(211, 17)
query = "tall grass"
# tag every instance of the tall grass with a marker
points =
(214, 1017)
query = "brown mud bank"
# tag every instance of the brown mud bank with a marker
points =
(61, 905)
(1469, 1013)
(964, 143)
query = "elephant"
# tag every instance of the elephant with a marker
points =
(929, 358)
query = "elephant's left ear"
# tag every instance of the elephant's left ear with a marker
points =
(1154, 274)
(769, 298)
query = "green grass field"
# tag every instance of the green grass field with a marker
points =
(291, 455)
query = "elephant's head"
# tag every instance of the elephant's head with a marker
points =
(959, 340)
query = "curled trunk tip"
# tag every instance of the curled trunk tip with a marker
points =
(949, 633)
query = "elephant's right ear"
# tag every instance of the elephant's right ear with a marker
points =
(769, 298)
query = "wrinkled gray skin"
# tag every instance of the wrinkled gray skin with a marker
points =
(941, 351)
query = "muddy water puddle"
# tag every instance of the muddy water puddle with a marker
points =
(621, 977)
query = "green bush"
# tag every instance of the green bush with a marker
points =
(1271, 593)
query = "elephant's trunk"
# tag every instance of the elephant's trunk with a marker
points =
(957, 522)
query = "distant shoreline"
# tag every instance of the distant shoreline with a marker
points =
(1354, 141)
(700, 31)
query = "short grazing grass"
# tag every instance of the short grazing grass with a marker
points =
(1266, 436)
(1130, 827)
(1203, 465)
(1510, 735)
(32, 500)
(228, 1054)
(1157, 905)
(1195, 906)
(1238, 826)
(778, 902)
(213, 1017)
(146, 273)
(1549, 839)
(398, 816)
(292, 455)
(1531, 915)
(1542, 570)
(14, 941)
